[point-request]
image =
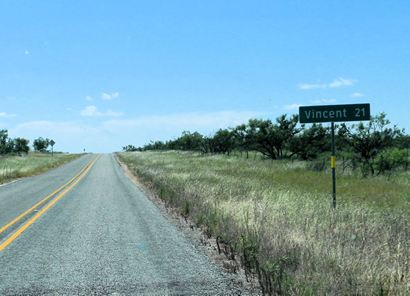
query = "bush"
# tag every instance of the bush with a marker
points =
(392, 159)
(370, 140)
(40, 144)
(129, 148)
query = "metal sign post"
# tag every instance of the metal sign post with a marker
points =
(333, 166)
(332, 114)
(52, 147)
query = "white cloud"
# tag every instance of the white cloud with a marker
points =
(293, 106)
(51, 127)
(357, 95)
(89, 111)
(341, 82)
(112, 134)
(109, 96)
(69, 136)
(336, 83)
(324, 101)
(6, 115)
(88, 98)
(92, 111)
(306, 86)
(185, 121)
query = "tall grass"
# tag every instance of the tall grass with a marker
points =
(13, 167)
(275, 219)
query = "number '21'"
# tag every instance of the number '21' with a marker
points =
(360, 112)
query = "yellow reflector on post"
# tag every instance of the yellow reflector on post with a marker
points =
(333, 162)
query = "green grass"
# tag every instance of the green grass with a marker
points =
(14, 167)
(277, 220)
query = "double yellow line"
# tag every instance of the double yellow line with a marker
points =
(60, 192)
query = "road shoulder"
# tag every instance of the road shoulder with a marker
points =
(231, 269)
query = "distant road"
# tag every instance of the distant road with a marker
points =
(97, 235)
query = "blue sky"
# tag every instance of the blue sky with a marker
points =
(102, 74)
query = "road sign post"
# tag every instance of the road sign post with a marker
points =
(332, 114)
(52, 147)
(333, 166)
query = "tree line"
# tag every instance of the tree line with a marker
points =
(374, 146)
(21, 146)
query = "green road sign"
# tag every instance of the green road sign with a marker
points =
(334, 113)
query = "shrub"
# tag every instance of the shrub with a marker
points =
(392, 159)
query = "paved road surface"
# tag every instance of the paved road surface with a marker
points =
(102, 237)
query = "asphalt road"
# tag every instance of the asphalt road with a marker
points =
(102, 237)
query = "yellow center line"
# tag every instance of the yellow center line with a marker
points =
(21, 216)
(26, 225)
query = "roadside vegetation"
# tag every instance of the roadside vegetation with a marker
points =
(275, 219)
(262, 189)
(372, 148)
(34, 163)
(20, 146)
(17, 161)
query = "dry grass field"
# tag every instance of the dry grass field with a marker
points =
(14, 167)
(275, 219)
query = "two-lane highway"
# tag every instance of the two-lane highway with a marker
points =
(24, 220)
(99, 235)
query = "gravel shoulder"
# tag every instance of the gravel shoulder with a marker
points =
(232, 272)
